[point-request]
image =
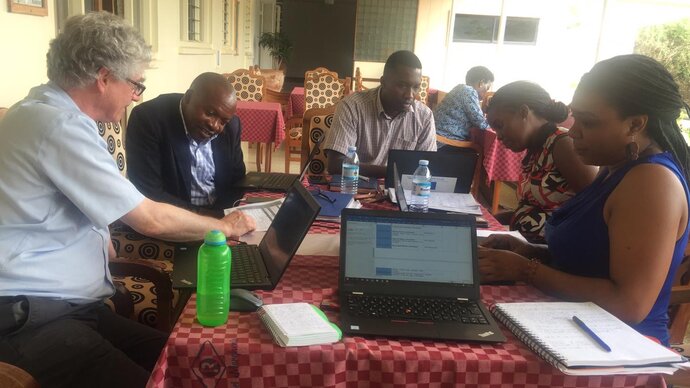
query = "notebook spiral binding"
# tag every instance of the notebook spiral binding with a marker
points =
(528, 338)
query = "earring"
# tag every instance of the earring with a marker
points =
(632, 150)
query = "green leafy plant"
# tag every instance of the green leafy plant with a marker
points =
(670, 45)
(279, 47)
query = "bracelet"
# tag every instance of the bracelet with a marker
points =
(532, 267)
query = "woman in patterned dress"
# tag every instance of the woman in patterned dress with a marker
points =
(524, 117)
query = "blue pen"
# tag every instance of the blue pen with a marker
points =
(591, 333)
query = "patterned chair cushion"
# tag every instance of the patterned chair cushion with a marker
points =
(323, 90)
(112, 134)
(424, 90)
(317, 122)
(248, 86)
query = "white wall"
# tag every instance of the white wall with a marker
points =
(24, 41)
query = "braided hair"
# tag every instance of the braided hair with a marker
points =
(639, 85)
(518, 93)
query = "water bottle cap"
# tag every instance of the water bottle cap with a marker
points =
(423, 162)
(215, 237)
(352, 148)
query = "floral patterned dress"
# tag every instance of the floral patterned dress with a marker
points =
(541, 190)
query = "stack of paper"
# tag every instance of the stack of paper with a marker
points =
(451, 202)
(262, 212)
(298, 324)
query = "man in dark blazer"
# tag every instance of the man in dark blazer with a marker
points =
(185, 149)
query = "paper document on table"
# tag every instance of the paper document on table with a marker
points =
(262, 212)
(438, 183)
(484, 233)
(452, 202)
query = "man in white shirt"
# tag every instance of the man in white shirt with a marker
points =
(59, 192)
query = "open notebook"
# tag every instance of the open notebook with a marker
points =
(548, 328)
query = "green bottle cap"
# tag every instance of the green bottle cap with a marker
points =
(215, 237)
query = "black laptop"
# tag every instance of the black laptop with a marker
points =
(259, 267)
(275, 181)
(411, 275)
(459, 164)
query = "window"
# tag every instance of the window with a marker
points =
(384, 26)
(231, 21)
(475, 28)
(484, 29)
(194, 20)
(521, 30)
(195, 26)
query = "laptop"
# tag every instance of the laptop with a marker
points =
(458, 164)
(276, 181)
(258, 267)
(411, 275)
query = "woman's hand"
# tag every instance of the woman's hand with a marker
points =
(508, 243)
(498, 265)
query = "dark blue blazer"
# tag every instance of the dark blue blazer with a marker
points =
(159, 159)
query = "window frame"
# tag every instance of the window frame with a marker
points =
(204, 45)
(494, 31)
(525, 18)
(231, 45)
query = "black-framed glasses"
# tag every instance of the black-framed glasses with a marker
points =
(138, 86)
(321, 194)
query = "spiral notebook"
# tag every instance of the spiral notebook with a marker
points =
(549, 330)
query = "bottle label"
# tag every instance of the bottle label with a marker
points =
(422, 189)
(350, 172)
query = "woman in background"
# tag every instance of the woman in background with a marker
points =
(524, 117)
(619, 241)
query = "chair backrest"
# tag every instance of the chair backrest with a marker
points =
(424, 90)
(470, 145)
(111, 132)
(2, 112)
(249, 86)
(14, 377)
(319, 70)
(315, 125)
(282, 98)
(323, 90)
(485, 101)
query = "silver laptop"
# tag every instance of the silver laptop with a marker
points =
(411, 275)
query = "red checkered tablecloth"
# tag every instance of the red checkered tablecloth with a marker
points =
(262, 122)
(296, 102)
(241, 353)
(500, 163)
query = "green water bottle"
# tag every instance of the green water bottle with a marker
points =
(213, 280)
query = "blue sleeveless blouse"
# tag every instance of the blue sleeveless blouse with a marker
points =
(578, 239)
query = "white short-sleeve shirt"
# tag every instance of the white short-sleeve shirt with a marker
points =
(59, 190)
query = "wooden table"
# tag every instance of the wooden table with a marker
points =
(262, 123)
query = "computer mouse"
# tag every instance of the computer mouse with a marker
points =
(244, 300)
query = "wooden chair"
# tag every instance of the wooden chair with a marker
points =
(485, 101)
(679, 305)
(15, 377)
(248, 85)
(323, 90)
(2, 112)
(468, 145)
(316, 124)
(293, 128)
(144, 264)
(319, 70)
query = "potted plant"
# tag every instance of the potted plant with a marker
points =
(279, 48)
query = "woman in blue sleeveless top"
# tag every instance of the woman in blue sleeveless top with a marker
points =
(619, 241)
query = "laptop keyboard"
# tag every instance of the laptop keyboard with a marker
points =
(244, 265)
(278, 180)
(419, 309)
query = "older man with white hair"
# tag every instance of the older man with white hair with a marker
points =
(59, 191)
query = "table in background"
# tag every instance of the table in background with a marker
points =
(296, 102)
(262, 122)
(500, 163)
(242, 353)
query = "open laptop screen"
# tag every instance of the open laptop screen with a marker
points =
(409, 247)
(288, 228)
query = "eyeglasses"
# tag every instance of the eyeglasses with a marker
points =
(324, 196)
(138, 86)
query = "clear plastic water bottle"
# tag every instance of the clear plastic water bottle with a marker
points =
(350, 172)
(421, 188)
(213, 280)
